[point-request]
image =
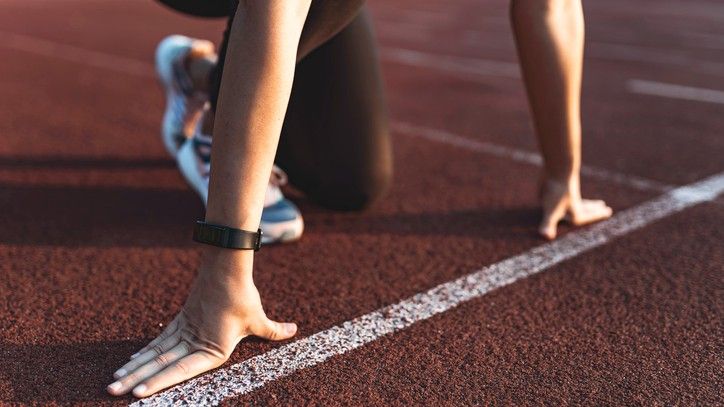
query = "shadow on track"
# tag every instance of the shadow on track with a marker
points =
(482, 223)
(43, 374)
(76, 372)
(149, 217)
(97, 216)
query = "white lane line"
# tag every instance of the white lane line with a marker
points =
(143, 68)
(703, 39)
(474, 67)
(522, 156)
(75, 54)
(652, 56)
(247, 376)
(468, 67)
(673, 91)
(448, 63)
(680, 11)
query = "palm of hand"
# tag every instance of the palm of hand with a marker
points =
(216, 316)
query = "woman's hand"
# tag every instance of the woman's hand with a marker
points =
(224, 304)
(561, 201)
(223, 308)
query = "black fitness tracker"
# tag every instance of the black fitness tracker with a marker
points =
(228, 238)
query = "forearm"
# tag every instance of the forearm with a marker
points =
(549, 37)
(224, 306)
(254, 94)
(255, 90)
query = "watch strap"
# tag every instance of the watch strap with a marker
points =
(226, 237)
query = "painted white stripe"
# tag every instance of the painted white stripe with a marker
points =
(458, 65)
(447, 63)
(522, 156)
(468, 67)
(71, 53)
(142, 68)
(599, 50)
(256, 372)
(673, 91)
(651, 56)
(682, 12)
(472, 67)
(703, 40)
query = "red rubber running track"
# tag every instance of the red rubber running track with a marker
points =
(638, 320)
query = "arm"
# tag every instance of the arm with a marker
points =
(550, 37)
(224, 305)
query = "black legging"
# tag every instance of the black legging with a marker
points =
(335, 144)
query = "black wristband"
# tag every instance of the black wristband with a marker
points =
(228, 238)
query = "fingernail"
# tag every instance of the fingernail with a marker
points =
(140, 390)
(119, 373)
(135, 355)
(114, 387)
(290, 328)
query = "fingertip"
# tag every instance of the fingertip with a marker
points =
(119, 373)
(135, 355)
(140, 391)
(113, 388)
(290, 328)
(547, 232)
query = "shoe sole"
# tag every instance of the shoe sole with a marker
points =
(282, 232)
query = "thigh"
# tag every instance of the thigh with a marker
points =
(326, 18)
(335, 142)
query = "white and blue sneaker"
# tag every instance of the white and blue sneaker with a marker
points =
(184, 105)
(281, 220)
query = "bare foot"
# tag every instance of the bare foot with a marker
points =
(222, 309)
(562, 201)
